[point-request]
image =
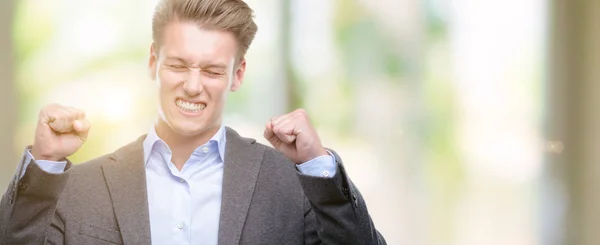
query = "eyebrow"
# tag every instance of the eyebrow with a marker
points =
(171, 58)
(203, 66)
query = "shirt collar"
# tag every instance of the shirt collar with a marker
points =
(152, 139)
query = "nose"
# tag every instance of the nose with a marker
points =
(193, 85)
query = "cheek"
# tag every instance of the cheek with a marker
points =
(217, 89)
(168, 80)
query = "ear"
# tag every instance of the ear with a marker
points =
(152, 62)
(238, 77)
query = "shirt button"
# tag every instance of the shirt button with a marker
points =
(181, 180)
(205, 150)
(325, 173)
(180, 226)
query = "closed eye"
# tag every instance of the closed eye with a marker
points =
(213, 73)
(177, 67)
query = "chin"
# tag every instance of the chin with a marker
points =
(189, 128)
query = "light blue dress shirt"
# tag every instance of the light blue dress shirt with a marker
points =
(185, 206)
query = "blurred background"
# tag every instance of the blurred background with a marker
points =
(462, 122)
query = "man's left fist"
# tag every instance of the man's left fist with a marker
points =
(293, 135)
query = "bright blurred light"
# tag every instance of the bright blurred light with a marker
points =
(118, 106)
(496, 46)
(93, 35)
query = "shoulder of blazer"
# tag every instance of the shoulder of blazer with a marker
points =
(110, 158)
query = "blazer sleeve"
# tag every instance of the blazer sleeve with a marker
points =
(28, 206)
(335, 211)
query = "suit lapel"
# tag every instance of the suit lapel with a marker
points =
(126, 180)
(241, 166)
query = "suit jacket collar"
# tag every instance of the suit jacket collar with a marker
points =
(242, 163)
(126, 180)
(152, 138)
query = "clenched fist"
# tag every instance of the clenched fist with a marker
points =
(60, 132)
(294, 136)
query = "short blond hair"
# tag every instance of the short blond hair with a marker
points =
(234, 16)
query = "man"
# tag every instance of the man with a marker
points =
(190, 180)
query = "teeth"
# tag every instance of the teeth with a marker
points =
(191, 107)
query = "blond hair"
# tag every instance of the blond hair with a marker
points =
(234, 16)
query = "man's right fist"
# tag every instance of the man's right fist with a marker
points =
(60, 132)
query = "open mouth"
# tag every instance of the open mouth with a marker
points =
(191, 107)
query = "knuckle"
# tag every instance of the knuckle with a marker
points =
(54, 107)
(46, 109)
(301, 111)
(72, 116)
(275, 122)
(57, 115)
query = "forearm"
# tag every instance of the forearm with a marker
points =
(339, 209)
(28, 205)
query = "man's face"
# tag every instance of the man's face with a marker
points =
(195, 69)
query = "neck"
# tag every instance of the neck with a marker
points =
(182, 146)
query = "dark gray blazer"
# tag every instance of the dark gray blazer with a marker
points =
(265, 201)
